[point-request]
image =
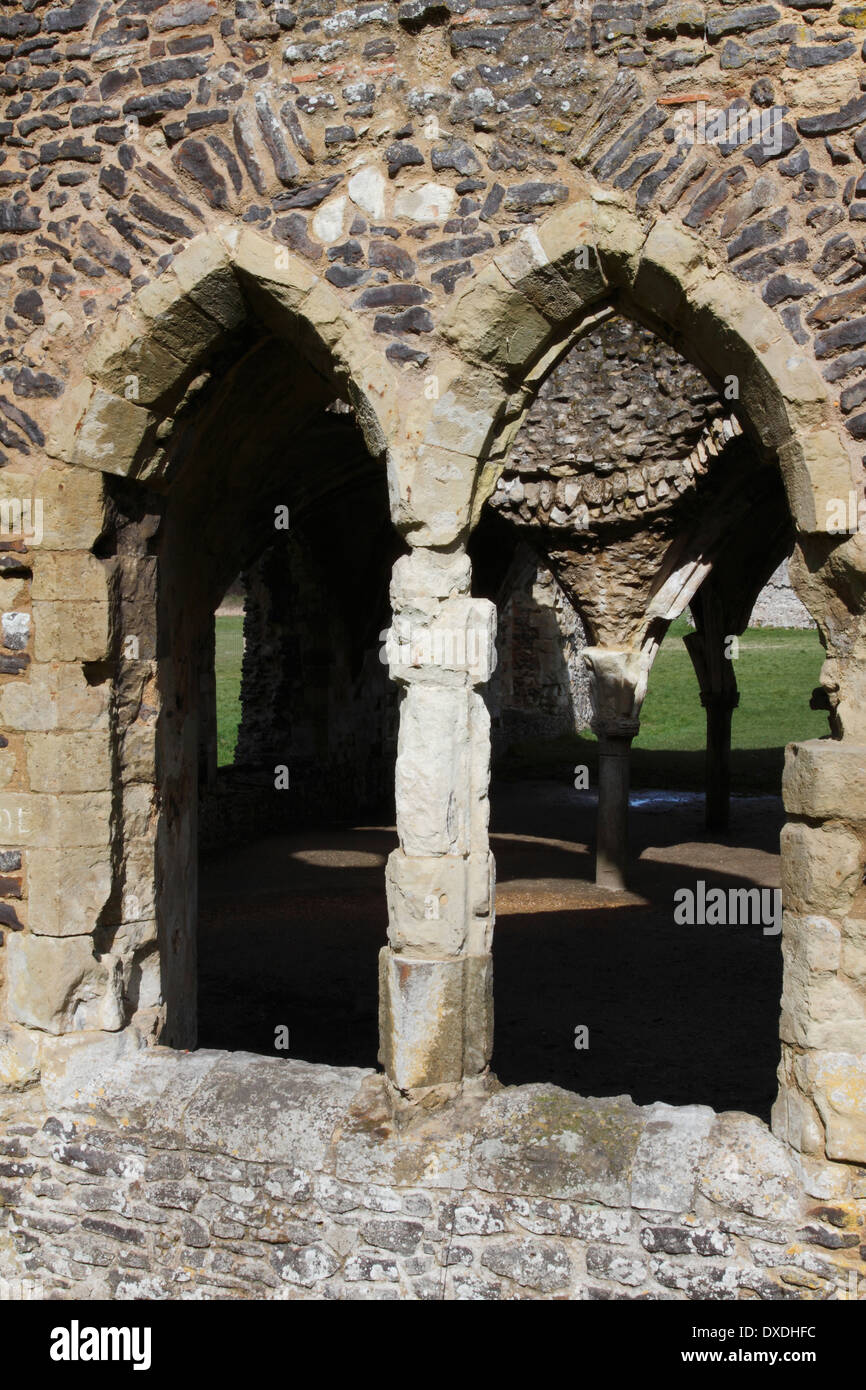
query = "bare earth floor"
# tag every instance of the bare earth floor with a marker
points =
(290, 928)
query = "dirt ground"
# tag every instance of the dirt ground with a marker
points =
(290, 928)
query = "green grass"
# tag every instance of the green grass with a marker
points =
(229, 655)
(776, 669)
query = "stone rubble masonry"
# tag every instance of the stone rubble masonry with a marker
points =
(215, 207)
(152, 1174)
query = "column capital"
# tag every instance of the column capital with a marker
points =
(618, 682)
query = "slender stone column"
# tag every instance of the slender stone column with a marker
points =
(617, 686)
(707, 647)
(720, 706)
(435, 974)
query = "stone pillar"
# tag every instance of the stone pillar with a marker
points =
(720, 706)
(435, 1010)
(821, 1105)
(618, 681)
(707, 647)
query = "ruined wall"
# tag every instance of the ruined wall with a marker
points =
(778, 604)
(314, 703)
(393, 146)
(216, 218)
(172, 1181)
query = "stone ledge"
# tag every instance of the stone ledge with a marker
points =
(158, 1174)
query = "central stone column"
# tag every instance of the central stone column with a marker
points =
(617, 686)
(435, 1010)
(708, 648)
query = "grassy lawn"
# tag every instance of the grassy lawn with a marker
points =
(229, 655)
(777, 670)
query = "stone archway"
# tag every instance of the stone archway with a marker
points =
(195, 403)
(504, 333)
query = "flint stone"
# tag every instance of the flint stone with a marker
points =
(533, 1264)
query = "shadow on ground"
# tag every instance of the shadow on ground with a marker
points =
(290, 928)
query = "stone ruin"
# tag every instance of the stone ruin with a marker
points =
(355, 267)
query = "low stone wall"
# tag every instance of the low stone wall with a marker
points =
(209, 1175)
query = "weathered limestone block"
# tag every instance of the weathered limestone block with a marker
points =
(72, 762)
(71, 631)
(65, 574)
(427, 906)
(205, 273)
(671, 263)
(420, 580)
(138, 903)
(29, 819)
(837, 1083)
(58, 985)
(270, 275)
(174, 320)
(435, 1018)
(465, 416)
(440, 905)
(821, 868)
(747, 1169)
(19, 1057)
(437, 486)
(618, 237)
(795, 1119)
(617, 681)
(97, 429)
(725, 322)
(495, 324)
(254, 1106)
(853, 952)
(56, 696)
(454, 644)
(67, 889)
(819, 474)
(541, 1141)
(666, 1163)
(820, 1007)
(433, 787)
(560, 292)
(825, 780)
(128, 361)
(138, 752)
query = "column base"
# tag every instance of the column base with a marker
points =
(435, 1019)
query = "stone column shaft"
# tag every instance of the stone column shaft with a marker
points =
(720, 706)
(435, 973)
(617, 685)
